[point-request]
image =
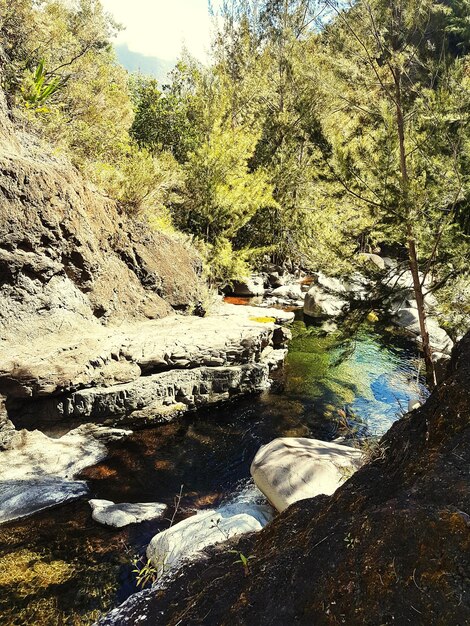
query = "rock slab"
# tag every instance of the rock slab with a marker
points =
(119, 515)
(38, 471)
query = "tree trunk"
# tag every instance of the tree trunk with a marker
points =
(418, 291)
(412, 254)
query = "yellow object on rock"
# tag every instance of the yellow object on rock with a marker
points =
(372, 317)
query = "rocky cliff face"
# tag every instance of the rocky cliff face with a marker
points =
(70, 258)
(391, 546)
(83, 288)
(89, 330)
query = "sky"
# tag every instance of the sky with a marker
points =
(160, 28)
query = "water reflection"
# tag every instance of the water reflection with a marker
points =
(370, 375)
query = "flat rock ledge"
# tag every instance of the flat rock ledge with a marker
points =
(150, 370)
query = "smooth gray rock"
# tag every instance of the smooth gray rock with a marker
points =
(401, 278)
(358, 286)
(125, 513)
(37, 471)
(32, 454)
(188, 537)
(253, 286)
(20, 498)
(438, 338)
(319, 303)
(390, 263)
(335, 285)
(289, 292)
(372, 259)
(289, 469)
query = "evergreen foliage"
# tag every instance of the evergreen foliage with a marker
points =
(286, 145)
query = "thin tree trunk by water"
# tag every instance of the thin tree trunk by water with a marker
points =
(412, 253)
(418, 291)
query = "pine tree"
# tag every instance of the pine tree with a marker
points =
(390, 84)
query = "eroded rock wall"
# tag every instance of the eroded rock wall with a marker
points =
(69, 257)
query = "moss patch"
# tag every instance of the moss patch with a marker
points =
(60, 576)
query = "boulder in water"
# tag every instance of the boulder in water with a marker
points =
(125, 513)
(318, 303)
(190, 536)
(438, 338)
(37, 471)
(20, 498)
(289, 469)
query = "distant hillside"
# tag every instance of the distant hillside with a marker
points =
(137, 62)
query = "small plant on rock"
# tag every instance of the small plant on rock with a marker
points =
(350, 541)
(145, 573)
(244, 560)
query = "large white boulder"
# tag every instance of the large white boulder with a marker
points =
(290, 292)
(289, 469)
(190, 536)
(330, 283)
(125, 513)
(319, 303)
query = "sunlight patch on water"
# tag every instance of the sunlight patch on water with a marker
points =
(364, 375)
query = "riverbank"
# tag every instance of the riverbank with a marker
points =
(390, 546)
(209, 452)
(138, 374)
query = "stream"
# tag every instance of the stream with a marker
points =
(60, 567)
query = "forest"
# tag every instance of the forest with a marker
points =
(155, 436)
(318, 130)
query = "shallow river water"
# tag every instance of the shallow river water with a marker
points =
(60, 567)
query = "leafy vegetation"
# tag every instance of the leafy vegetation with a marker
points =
(318, 130)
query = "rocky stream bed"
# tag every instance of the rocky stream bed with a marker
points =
(61, 563)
